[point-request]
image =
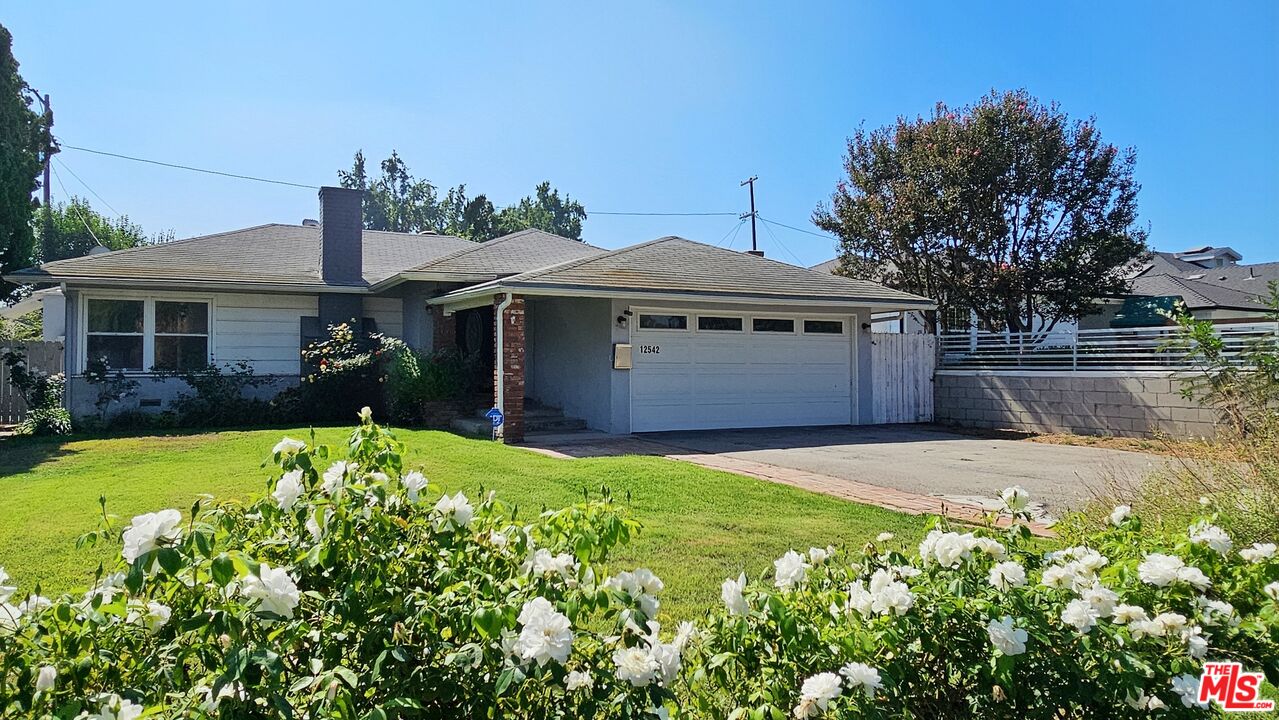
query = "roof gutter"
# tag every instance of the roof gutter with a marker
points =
(184, 284)
(468, 297)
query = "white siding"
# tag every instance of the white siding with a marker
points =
(388, 312)
(263, 330)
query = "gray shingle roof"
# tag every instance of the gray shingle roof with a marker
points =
(267, 254)
(1197, 295)
(510, 254)
(676, 265)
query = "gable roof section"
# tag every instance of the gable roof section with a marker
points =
(507, 255)
(1197, 295)
(266, 255)
(675, 266)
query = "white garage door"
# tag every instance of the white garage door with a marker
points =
(719, 370)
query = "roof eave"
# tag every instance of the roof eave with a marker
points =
(185, 284)
(466, 295)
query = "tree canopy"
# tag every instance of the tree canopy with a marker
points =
(24, 138)
(398, 201)
(1006, 208)
(73, 228)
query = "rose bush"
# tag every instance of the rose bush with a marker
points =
(346, 592)
(986, 624)
(352, 590)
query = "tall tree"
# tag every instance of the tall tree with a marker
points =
(1005, 208)
(73, 228)
(400, 202)
(545, 210)
(24, 137)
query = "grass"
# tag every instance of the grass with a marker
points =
(701, 525)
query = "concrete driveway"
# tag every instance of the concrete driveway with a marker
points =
(923, 460)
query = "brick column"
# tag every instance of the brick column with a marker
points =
(443, 330)
(510, 365)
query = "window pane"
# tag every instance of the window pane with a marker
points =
(181, 353)
(122, 352)
(664, 322)
(123, 316)
(707, 322)
(773, 325)
(829, 327)
(182, 317)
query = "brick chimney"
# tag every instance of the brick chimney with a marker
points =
(341, 236)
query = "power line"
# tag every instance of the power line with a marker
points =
(188, 167)
(799, 229)
(662, 214)
(780, 244)
(86, 186)
(736, 230)
(731, 231)
(74, 209)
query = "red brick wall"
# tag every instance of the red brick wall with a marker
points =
(443, 330)
(511, 365)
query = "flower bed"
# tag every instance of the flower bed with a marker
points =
(350, 591)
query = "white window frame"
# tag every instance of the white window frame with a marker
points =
(697, 327)
(688, 327)
(795, 324)
(843, 326)
(148, 324)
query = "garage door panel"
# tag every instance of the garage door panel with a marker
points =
(708, 380)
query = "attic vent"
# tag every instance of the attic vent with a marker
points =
(310, 222)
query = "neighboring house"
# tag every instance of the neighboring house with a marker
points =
(911, 322)
(666, 335)
(1209, 282)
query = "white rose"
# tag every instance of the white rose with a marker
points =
(414, 484)
(1008, 639)
(289, 446)
(1259, 552)
(1079, 614)
(820, 689)
(1007, 575)
(860, 675)
(1120, 514)
(546, 634)
(790, 569)
(149, 531)
(1015, 498)
(578, 680)
(635, 665)
(288, 489)
(273, 589)
(45, 678)
(1202, 533)
(1159, 570)
(453, 512)
(1272, 591)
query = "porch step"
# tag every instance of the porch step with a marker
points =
(537, 419)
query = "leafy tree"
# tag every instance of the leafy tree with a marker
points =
(1006, 208)
(72, 229)
(545, 211)
(399, 202)
(24, 137)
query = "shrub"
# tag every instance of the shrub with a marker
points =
(975, 624)
(219, 398)
(112, 387)
(43, 393)
(343, 372)
(347, 592)
(414, 378)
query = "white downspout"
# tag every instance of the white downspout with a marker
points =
(499, 362)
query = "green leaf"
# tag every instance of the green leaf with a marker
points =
(222, 569)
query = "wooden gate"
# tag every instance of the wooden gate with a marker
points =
(902, 370)
(44, 356)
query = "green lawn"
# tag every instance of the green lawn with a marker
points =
(700, 525)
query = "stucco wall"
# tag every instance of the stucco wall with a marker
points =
(1127, 405)
(570, 357)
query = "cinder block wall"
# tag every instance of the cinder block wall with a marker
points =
(1117, 405)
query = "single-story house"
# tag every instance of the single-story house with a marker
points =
(669, 334)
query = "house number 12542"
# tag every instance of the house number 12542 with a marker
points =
(650, 349)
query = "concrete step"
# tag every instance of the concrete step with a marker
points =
(482, 427)
(531, 411)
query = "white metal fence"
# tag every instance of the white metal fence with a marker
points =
(46, 356)
(1145, 348)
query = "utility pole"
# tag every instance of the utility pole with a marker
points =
(48, 141)
(752, 214)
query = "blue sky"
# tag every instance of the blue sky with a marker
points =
(650, 107)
